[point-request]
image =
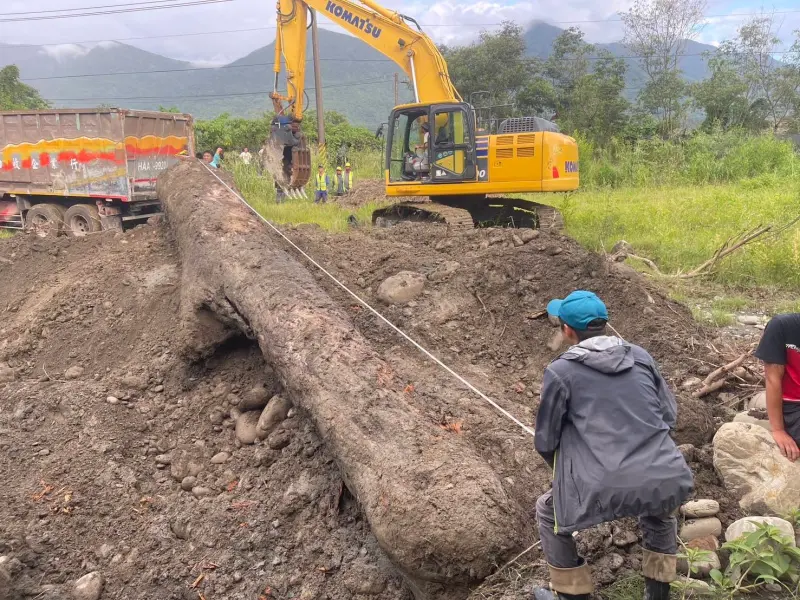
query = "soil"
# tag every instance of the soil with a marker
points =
(92, 458)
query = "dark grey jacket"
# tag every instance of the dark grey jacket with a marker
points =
(604, 426)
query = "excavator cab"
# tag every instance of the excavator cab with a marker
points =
(433, 143)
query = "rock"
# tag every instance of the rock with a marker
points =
(180, 527)
(757, 402)
(699, 509)
(709, 542)
(555, 250)
(625, 538)
(247, 427)
(88, 587)
(5, 583)
(202, 492)
(701, 567)
(279, 440)
(105, 551)
(744, 417)
(273, 415)
(401, 288)
(135, 382)
(689, 452)
(7, 374)
(517, 241)
(698, 528)
(158, 389)
(749, 524)
(112, 400)
(44, 452)
(216, 418)
(748, 319)
(527, 235)
(255, 398)
(188, 483)
(691, 383)
(73, 373)
(220, 458)
(184, 465)
(164, 459)
(444, 271)
(612, 561)
(753, 468)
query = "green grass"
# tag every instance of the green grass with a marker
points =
(681, 227)
(5, 233)
(259, 191)
(630, 588)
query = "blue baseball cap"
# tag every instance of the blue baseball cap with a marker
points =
(578, 309)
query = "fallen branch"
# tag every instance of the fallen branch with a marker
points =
(719, 377)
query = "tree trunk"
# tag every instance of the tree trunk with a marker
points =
(436, 508)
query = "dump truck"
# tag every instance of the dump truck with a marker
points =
(79, 171)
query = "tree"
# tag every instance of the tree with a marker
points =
(168, 109)
(724, 99)
(15, 95)
(771, 83)
(657, 31)
(495, 63)
(588, 97)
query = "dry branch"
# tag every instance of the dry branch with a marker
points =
(719, 377)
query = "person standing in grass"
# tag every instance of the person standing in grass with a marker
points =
(340, 191)
(348, 179)
(779, 350)
(323, 182)
(603, 426)
(245, 156)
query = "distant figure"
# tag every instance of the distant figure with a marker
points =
(280, 195)
(217, 158)
(246, 156)
(379, 132)
(323, 182)
(340, 191)
(348, 179)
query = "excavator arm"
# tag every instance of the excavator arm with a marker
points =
(387, 31)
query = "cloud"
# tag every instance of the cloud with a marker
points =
(447, 21)
(65, 51)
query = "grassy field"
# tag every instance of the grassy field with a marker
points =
(682, 226)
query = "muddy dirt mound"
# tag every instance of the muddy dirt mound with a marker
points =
(101, 422)
(124, 461)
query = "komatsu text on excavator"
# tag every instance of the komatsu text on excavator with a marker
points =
(432, 146)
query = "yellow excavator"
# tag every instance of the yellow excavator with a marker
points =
(433, 148)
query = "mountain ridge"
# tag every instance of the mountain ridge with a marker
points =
(358, 81)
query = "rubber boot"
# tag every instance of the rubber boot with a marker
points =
(578, 581)
(655, 590)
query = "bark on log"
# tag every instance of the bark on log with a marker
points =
(436, 508)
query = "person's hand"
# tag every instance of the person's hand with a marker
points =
(787, 445)
(219, 149)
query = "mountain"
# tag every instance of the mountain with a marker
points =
(540, 36)
(358, 81)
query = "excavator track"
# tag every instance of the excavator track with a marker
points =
(423, 212)
(486, 212)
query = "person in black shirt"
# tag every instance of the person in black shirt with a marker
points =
(779, 349)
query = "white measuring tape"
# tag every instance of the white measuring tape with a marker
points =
(419, 347)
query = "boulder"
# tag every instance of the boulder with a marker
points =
(753, 468)
(73, 373)
(255, 398)
(700, 567)
(700, 528)
(744, 417)
(757, 402)
(273, 415)
(246, 427)
(88, 587)
(700, 509)
(528, 235)
(749, 524)
(401, 288)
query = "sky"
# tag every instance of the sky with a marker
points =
(446, 21)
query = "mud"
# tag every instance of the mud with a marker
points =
(90, 484)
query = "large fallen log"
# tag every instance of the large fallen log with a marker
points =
(436, 508)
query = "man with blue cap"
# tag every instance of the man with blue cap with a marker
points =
(604, 425)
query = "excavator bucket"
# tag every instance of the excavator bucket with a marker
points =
(287, 157)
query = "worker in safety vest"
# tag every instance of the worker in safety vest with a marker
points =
(323, 183)
(348, 179)
(340, 191)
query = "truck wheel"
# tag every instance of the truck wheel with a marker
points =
(45, 219)
(82, 219)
